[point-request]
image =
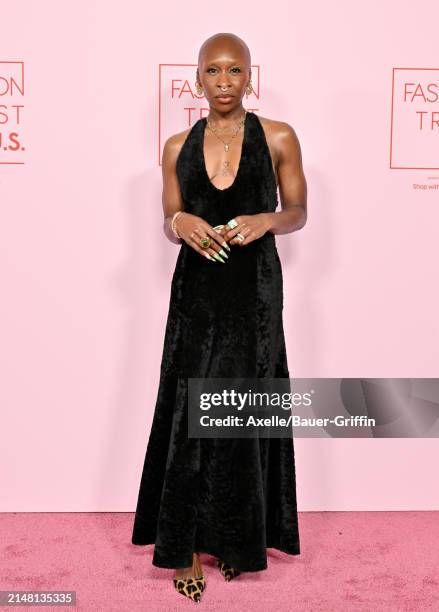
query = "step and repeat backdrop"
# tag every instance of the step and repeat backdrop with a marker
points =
(89, 92)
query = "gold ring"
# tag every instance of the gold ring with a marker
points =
(240, 236)
(205, 242)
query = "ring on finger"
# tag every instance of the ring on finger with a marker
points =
(205, 242)
(240, 237)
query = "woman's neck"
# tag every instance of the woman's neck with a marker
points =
(223, 120)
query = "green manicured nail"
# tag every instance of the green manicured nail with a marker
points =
(209, 257)
(219, 258)
(225, 245)
(224, 254)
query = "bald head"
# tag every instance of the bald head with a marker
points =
(221, 42)
(224, 63)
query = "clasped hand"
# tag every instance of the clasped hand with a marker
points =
(192, 228)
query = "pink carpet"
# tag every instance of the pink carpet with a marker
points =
(361, 561)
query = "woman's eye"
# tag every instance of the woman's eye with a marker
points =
(236, 69)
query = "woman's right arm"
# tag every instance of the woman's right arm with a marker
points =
(171, 194)
(190, 227)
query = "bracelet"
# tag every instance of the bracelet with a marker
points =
(173, 227)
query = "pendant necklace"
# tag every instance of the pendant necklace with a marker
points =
(227, 144)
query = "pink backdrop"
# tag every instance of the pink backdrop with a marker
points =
(86, 270)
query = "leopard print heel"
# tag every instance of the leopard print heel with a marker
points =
(191, 587)
(228, 572)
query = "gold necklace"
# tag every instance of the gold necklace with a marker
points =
(227, 144)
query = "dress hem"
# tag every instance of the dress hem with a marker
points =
(215, 553)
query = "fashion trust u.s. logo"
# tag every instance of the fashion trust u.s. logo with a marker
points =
(11, 112)
(414, 134)
(180, 106)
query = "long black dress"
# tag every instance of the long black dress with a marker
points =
(232, 498)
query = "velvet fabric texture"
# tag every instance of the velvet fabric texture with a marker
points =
(232, 498)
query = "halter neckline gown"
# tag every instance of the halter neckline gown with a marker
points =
(231, 498)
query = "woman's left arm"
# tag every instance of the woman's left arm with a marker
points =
(292, 183)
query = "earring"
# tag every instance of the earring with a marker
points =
(248, 89)
(198, 88)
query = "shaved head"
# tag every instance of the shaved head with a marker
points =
(224, 64)
(224, 40)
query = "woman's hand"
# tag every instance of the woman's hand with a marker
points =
(249, 226)
(192, 228)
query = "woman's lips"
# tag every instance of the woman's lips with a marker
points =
(224, 98)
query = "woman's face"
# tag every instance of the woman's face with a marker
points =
(223, 73)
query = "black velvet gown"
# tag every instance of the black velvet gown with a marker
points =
(231, 498)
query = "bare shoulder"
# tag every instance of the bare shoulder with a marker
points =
(281, 137)
(173, 145)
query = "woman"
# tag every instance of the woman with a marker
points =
(231, 498)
